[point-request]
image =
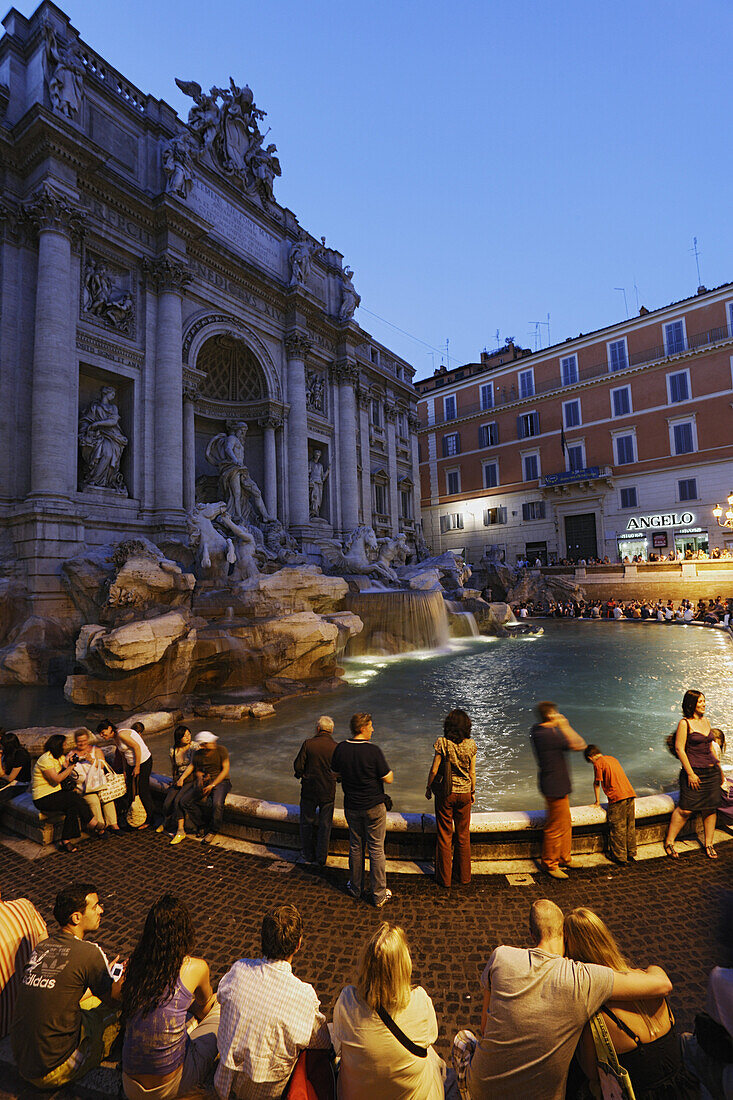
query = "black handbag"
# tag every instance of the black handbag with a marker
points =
(442, 785)
(419, 1052)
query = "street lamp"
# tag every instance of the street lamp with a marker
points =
(718, 512)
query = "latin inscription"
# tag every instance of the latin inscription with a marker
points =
(233, 226)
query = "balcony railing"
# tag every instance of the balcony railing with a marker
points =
(504, 395)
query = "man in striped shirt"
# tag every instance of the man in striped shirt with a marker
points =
(21, 928)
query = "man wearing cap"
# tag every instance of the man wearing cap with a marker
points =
(211, 780)
(312, 767)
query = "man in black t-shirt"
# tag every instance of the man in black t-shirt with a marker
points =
(364, 771)
(55, 1038)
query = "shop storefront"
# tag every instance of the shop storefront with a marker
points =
(659, 533)
(633, 546)
(691, 539)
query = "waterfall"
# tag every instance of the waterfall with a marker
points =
(398, 622)
(461, 624)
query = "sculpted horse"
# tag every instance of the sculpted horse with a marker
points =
(358, 556)
(214, 551)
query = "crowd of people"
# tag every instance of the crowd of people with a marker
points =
(716, 554)
(714, 612)
(568, 1016)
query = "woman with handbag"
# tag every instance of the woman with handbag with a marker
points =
(92, 770)
(383, 1028)
(700, 790)
(452, 780)
(629, 1049)
(53, 791)
(138, 766)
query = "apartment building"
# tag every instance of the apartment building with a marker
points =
(618, 442)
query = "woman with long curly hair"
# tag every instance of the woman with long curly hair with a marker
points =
(164, 986)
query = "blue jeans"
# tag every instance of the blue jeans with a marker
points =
(367, 830)
(192, 804)
(315, 829)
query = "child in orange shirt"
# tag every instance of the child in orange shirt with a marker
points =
(621, 810)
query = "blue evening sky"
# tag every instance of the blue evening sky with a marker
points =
(479, 164)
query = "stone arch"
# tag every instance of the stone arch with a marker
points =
(253, 351)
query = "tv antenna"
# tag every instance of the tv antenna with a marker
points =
(538, 326)
(622, 290)
(697, 261)
(636, 292)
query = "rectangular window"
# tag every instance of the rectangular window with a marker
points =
(528, 425)
(488, 435)
(451, 445)
(452, 522)
(406, 504)
(624, 449)
(452, 482)
(569, 370)
(678, 387)
(575, 457)
(730, 318)
(571, 413)
(526, 383)
(487, 396)
(628, 497)
(380, 499)
(533, 509)
(617, 356)
(674, 337)
(491, 475)
(449, 406)
(376, 414)
(688, 488)
(683, 438)
(621, 401)
(531, 467)
(494, 515)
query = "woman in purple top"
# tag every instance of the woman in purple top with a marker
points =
(164, 986)
(700, 776)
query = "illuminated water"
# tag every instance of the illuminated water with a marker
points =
(619, 684)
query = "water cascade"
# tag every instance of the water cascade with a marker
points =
(461, 624)
(397, 622)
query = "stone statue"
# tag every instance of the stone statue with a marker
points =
(280, 545)
(422, 550)
(244, 545)
(102, 443)
(358, 556)
(301, 258)
(264, 166)
(215, 551)
(178, 166)
(315, 393)
(243, 498)
(65, 74)
(112, 304)
(393, 551)
(349, 298)
(317, 477)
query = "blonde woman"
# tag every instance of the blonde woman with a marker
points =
(84, 758)
(642, 1032)
(384, 1027)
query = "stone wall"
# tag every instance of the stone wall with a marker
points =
(675, 581)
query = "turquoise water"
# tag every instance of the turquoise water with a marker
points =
(619, 684)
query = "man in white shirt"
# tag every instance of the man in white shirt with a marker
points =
(268, 1016)
(536, 1004)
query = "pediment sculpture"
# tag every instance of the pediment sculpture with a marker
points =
(225, 124)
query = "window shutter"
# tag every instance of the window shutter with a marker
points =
(502, 515)
(520, 428)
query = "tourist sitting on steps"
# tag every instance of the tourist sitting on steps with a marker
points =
(53, 792)
(15, 767)
(211, 781)
(182, 775)
(166, 990)
(21, 928)
(59, 1030)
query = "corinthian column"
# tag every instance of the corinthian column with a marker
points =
(297, 346)
(345, 374)
(169, 277)
(54, 413)
(413, 421)
(390, 413)
(190, 393)
(269, 426)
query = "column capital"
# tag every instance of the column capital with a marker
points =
(51, 209)
(390, 412)
(345, 372)
(297, 344)
(413, 421)
(167, 274)
(273, 422)
(191, 390)
(364, 396)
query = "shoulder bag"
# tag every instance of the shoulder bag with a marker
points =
(613, 1078)
(137, 814)
(115, 787)
(442, 785)
(419, 1052)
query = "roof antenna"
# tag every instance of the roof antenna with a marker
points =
(622, 290)
(700, 287)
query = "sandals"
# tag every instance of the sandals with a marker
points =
(669, 850)
(710, 852)
(68, 846)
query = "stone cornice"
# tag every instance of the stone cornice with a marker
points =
(167, 274)
(51, 209)
(297, 344)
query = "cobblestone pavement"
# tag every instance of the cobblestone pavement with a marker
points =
(661, 912)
